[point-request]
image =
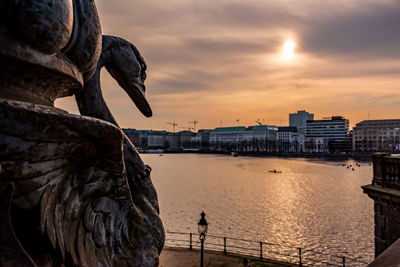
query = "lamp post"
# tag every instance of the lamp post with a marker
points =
(202, 228)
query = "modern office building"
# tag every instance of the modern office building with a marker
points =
(334, 131)
(377, 136)
(300, 119)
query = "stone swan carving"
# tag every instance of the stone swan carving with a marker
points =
(73, 189)
(125, 64)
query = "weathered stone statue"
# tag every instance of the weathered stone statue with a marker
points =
(73, 189)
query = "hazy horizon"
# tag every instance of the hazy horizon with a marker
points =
(225, 60)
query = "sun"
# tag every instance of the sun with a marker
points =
(288, 49)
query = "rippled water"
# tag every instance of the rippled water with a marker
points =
(313, 204)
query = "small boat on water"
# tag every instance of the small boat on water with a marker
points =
(275, 171)
(234, 154)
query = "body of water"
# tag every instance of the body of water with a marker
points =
(313, 204)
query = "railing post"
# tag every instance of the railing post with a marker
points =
(344, 261)
(379, 168)
(190, 246)
(261, 252)
(225, 245)
(300, 263)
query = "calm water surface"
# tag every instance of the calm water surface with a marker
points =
(313, 204)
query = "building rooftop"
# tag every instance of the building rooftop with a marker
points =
(333, 118)
(301, 112)
(151, 132)
(186, 132)
(292, 129)
(129, 130)
(387, 121)
(260, 127)
(230, 129)
(204, 130)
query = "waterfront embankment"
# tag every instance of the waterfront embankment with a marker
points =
(179, 257)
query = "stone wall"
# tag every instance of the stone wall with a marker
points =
(387, 224)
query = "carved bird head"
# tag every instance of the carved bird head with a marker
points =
(125, 64)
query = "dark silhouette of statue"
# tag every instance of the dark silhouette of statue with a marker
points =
(73, 189)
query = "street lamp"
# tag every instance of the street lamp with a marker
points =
(202, 228)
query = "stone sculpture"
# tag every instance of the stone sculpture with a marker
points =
(73, 189)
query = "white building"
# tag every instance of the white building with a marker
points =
(289, 140)
(240, 138)
(223, 138)
(316, 145)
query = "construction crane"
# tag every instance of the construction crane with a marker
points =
(258, 121)
(194, 123)
(174, 124)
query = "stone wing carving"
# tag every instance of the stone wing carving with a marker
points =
(71, 169)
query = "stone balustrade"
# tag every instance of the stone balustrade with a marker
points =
(385, 191)
(386, 170)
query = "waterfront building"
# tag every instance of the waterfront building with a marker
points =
(254, 138)
(185, 139)
(377, 135)
(286, 138)
(334, 131)
(156, 139)
(228, 138)
(289, 139)
(300, 119)
(264, 137)
(195, 140)
(173, 142)
(316, 145)
(139, 138)
(144, 139)
(133, 135)
(202, 139)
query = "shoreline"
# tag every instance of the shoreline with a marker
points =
(365, 157)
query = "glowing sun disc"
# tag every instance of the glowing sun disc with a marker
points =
(288, 48)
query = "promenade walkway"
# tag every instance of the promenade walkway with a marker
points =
(181, 257)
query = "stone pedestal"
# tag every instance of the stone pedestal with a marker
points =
(385, 191)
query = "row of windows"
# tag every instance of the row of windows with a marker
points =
(376, 137)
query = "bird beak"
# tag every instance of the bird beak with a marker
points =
(136, 91)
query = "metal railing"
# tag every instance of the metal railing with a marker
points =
(263, 250)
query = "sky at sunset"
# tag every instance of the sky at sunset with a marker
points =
(219, 61)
